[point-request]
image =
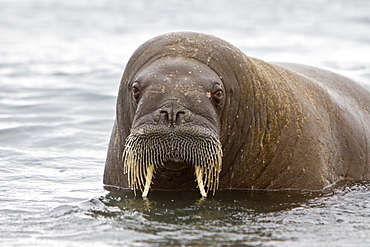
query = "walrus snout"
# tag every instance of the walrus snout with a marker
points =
(173, 114)
(170, 117)
(150, 148)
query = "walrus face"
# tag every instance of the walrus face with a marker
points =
(176, 124)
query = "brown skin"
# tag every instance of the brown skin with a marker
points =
(173, 92)
(282, 126)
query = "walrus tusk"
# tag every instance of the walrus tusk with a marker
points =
(148, 180)
(199, 175)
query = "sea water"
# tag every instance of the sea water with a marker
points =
(60, 67)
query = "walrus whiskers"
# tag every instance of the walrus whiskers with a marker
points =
(150, 147)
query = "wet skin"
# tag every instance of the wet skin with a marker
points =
(276, 126)
(178, 99)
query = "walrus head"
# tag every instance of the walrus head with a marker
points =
(175, 124)
(185, 99)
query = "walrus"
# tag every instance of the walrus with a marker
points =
(193, 111)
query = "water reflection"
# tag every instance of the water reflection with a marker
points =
(176, 206)
(247, 217)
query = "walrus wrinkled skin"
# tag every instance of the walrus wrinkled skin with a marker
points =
(195, 111)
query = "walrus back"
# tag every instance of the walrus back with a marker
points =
(347, 106)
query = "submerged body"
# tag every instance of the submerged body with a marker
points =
(193, 110)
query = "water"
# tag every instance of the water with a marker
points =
(60, 66)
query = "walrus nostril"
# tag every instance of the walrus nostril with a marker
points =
(164, 118)
(179, 117)
(172, 116)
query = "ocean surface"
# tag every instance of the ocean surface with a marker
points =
(60, 67)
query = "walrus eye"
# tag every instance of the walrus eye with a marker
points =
(218, 94)
(136, 90)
